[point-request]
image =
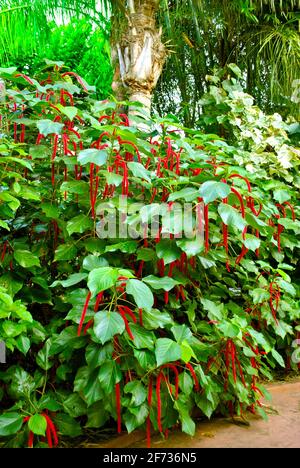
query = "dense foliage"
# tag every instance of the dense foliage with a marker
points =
(101, 330)
(262, 37)
(81, 48)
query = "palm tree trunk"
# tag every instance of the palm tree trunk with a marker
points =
(138, 54)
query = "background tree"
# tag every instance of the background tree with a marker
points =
(262, 37)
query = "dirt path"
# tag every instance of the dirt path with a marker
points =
(282, 430)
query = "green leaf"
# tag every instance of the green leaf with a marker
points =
(112, 178)
(212, 190)
(187, 424)
(12, 202)
(135, 417)
(21, 312)
(38, 424)
(166, 351)
(231, 217)
(142, 338)
(101, 279)
(96, 354)
(124, 247)
(281, 196)
(65, 252)
(260, 339)
(186, 382)
(205, 405)
(8, 71)
(235, 69)
(87, 384)
(51, 211)
(207, 263)
(80, 223)
(166, 283)
(29, 193)
(97, 416)
(229, 329)
(22, 384)
(141, 293)
(79, 187)
(48, 127)
(287, 287)
(75, 406)
(215, 311)
(259, 295)
(4, 225)
(181, 333)
(145, 358)
(277, 357)
(109, 374)
(71, 281)
(69, 111)
(168, 251)
(10, 423)
(40, 152)
(23, 344)
(21, 162)
(91, 155)
(48, 402)
(191, 247)
(42, 357)
(107, 325)
(154, 319)
(187, 352)
(147, 255)
(68, 338)
(91, 262)
(70, 87)
(138, 391)
(290, 224)
(138, 170)
(66, 425)
(12, 329)
(255, 221)
(188, 194)
(252, 242)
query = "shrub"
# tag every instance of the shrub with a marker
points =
(141, 330)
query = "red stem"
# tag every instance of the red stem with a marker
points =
(77, 78)
(174, 369)
(158, 397)
(191, 369)
(98, 301)
(148, 424)
(242, 255)
(122, 313)
(88, 297)
(233, 353)
(30, 439)
(141, 316)
(118, 407)
(243, 178)
(239, 196)
(4, 250)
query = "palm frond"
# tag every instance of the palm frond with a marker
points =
(275, 5)
(24, 24)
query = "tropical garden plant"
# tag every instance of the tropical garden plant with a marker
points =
(135, 330)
